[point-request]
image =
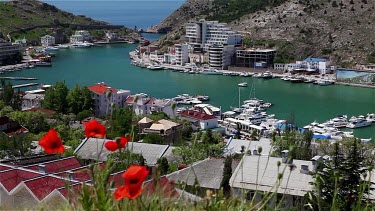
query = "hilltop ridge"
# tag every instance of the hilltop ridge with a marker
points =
(338, 30)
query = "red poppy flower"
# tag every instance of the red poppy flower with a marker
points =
(94, 129)
(111, 146)
(52, 143)
(134, 178)
(124, 141)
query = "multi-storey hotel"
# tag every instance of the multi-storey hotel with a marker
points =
(220, 57)
(203, 34)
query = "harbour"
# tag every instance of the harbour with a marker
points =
(301, 103)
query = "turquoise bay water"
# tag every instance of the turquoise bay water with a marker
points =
(111, 64)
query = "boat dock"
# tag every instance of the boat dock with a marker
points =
(23, 85)
(18, 78)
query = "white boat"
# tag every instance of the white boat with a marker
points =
(266, 75)
(244, 84)
(62, 46)
(79, 45)
(210, 72)
(325, 83)
(359, 123)
(155, 67)
(50, 48)
(370, 117)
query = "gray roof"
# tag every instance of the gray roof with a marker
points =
(234, 146)
(209, 173)
(170, 156)
(93, 149)
(246, 173)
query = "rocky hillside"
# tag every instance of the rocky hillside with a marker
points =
(33, 18)
(341, 30)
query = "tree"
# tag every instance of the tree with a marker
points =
(121, 122)
(207, 137)
(227, 174)
(340, 183)
(55, 98)
(84, 114)
(163, 165)
(35, 122)
(79, 99)
(153, 139)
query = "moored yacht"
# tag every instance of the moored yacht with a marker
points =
(370, 117)
(360, 122)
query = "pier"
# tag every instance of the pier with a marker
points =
(18, 78)
(23, 85)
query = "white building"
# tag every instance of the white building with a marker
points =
(157, 57)
(85, 34)
(182, 54)
(8, 49)
(323, 66)
(142, 104)
(200, 119)
(203, 34)
(76, 39)
(111, 36)
(47, 40)
(101, 100)
(221, 57)
(169, 58)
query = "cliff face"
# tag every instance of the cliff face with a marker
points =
(341, 30)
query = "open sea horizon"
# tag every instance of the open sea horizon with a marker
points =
(130, 13)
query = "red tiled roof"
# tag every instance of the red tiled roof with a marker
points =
(151, 101)
(15, 130)
(57, 165)
(101, 88)
(130, 99)
(117, 179)
(2, 168)
(163, 185)
(76, 188)
(196, 115)
(43, 186)
(11, 178)
(80, 174)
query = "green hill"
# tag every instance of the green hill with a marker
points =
(32, 18)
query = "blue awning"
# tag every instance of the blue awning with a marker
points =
(321, 136)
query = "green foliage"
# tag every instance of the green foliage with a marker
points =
(198, 151)
(153, 139)
(339, 184)
(156, 116)
(56, 98)
(371, 57)
(227, 174)
(70, 136)
(84, 114)
(163, 165)
(15, 146)
(230, 10)
(9, 97)
(35, 122)
(292, 138)
(125, 158)
(79, 99)
(6, 111)
(121, 122)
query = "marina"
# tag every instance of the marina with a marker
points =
(300, 102)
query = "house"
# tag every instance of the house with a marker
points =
(260, 173)
(85, 35)
(103, 103)
(234, 146)
(202, 120)
(143, 104)
(208, 173)
(168, 130)
(11, 127)
(76, 39)
(88, 150)
(27, 186)
(47, 40)
(30, 100)
(111, 36)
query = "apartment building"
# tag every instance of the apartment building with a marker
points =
(203, 34)
(221, 57)
(7, 49)
(182, 54)
(103, 103)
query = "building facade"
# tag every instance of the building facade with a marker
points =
(203, 34)
(103, 102)
(255, 57)
(142, 104)
(76, 39)
(47, 40)
(182, 54)
(8, 50)
(85, 34)
(200, 119)
(221, 57)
